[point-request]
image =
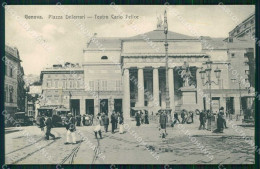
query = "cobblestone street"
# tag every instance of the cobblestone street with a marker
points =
(226, 148)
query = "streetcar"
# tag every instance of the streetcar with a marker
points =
(62, 112)
(22, 119)
(57, 117)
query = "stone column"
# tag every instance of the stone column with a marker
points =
(171, 88)
(82, 105)
(155, 87)
(96, 106)
(140, 87)
(237, 105)
(126, 100)
(199, 90)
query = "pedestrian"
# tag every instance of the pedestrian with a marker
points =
(116, 119)
(175, 119)
(137, 118)
(202, 117)
(121, 122)
(106, 122)
(71, 128)
(84, 120)
(224, 117)
(102, 118)
(91, 117)
(42, 123)
(192, 114)
(220, 121)
(183, 116)
(78, 118)
(146, 118)
(113, 122)
(48, 123)
(208, 116)
(163, 120)
(97, 126)
(142, 117)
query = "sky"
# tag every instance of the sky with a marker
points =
(52, 41)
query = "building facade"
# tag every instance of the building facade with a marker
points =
(244, 30)
(129, 73)
(13, 94)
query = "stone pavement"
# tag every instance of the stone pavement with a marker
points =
(128, 148)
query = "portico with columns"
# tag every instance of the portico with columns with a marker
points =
(144, 81)
(140, 68)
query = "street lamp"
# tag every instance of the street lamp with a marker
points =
(207, 72)
(167, 99)
(239, 85)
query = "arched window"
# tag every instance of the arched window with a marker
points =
(104, 57)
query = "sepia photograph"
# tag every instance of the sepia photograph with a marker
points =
(130, 84)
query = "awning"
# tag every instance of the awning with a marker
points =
(62, 109)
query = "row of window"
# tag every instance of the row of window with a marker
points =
(65, 75)
(102, 85)
(63, 84)
(9, 94)
(233, 55)
(9, 71)
(245, 25)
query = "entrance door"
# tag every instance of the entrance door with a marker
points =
(118, 105)
(74, 106)
(104, 106)
(230, 105)
(215, 104)
(90, 106)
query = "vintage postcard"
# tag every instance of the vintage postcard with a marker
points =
(130, 84)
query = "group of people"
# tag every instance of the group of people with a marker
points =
(206, 117)
(85, 120)
(187, 117)
(46, 121)
(141, 118)
(71, 122)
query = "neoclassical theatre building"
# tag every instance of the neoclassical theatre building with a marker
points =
(129, 73)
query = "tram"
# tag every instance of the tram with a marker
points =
(58, 115)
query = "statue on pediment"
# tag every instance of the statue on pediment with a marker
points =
(159, 22)
(186, 75)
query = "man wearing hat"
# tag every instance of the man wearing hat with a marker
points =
(48, 123)
(71, 128)
(163, 120)
(220, 121)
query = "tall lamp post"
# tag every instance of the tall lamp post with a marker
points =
(207, 71)
(239, 88)
(234, 80)
(167, 99)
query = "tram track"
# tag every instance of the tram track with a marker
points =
(95, 157)
(25, 146)
(30, 154)
(72, 155)
(16, 153)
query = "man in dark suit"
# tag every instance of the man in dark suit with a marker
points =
(113, 122)
(202, 120)
(48, 123)
(182, 117)
(106, 122)
(163, 121)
